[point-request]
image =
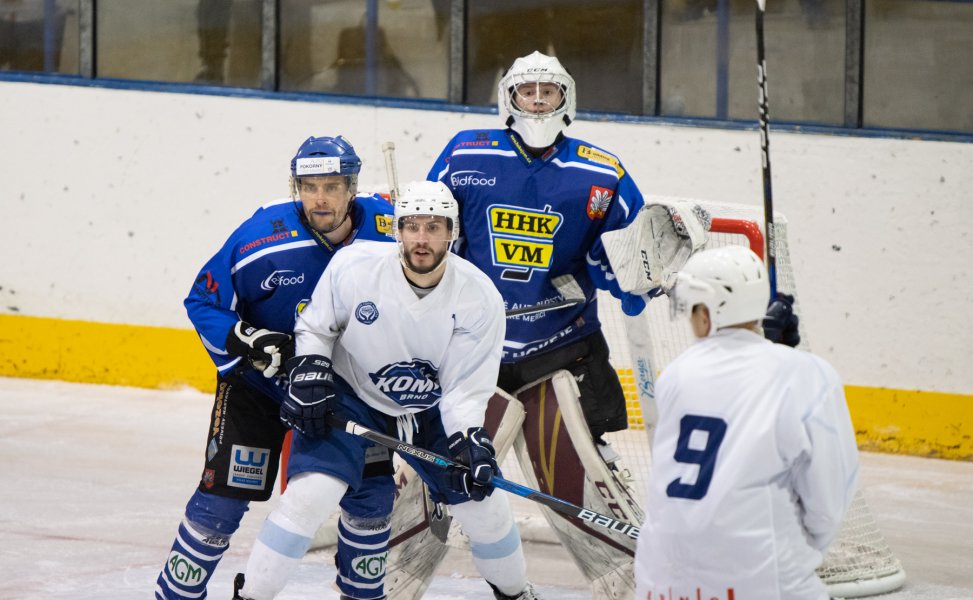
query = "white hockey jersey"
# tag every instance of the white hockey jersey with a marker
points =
(754, 465)
(402, 354)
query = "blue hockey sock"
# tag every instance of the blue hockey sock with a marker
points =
(203, 537)
(363, 548)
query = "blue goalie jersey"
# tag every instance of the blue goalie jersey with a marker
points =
(526, 220)
(264, 274)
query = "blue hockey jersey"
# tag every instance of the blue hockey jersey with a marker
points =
(526, 220)
(264, 274)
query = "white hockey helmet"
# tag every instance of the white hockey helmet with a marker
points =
(538, 129)
(731, 282)
(427, 198)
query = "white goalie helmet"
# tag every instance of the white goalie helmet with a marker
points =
(731, 282)
(538, 129)
(427, 198)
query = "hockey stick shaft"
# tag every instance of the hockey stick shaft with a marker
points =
(764, 113)
(556, 504)
(388, 149)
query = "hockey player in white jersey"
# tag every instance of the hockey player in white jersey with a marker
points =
(406, 340)
(754, 462)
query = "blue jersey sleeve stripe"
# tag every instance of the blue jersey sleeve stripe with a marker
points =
(228, 366)
(267, 251)
(211, 346)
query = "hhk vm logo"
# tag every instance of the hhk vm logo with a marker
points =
(522, 239)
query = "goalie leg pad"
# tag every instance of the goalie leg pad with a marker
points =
(203, 537)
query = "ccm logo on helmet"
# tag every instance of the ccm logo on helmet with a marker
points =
(471, 178)
(281, 278)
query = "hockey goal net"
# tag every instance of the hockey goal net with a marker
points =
(860, 562)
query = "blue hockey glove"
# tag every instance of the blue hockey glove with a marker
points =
(780, 323)
(309, 395)
(475, 450)
(266, 350)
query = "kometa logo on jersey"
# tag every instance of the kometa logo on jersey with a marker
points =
(413, 383)
(522, 239)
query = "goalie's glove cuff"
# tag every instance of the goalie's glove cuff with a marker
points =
(310, 396)
(781, 325)
(266, 350)
(473, 449)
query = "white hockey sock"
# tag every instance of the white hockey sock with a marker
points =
(287, 533)
(494, 542)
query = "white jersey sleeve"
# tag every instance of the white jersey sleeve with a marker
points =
(818, 439)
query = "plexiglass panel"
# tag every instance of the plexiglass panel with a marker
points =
(39, 35)
(203, 41)
(598, 41)
(708, 59)
(389, 48)
(918, 65)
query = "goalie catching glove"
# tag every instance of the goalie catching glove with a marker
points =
(309, 395)
(266, 350)
(646, 253)
(475, 450)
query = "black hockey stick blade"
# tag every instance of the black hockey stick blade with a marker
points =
(556, 504)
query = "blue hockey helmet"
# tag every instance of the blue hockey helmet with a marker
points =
(319, 156)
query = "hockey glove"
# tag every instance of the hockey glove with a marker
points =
(309, 395)
(266, 350)
(780, 323)
(475, 450)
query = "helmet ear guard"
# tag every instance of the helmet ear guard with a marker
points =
(538, 130)
(731, 282)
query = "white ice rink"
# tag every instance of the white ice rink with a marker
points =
(94, 479)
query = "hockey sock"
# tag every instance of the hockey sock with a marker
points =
(203, 537)
(494, 542)
(363, 548)
(287, 533)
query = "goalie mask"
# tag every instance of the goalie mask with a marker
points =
(536, 99)
(731, 282)
(425, 224)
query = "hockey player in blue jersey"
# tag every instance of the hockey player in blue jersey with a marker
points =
(244, 304)
(534, 204)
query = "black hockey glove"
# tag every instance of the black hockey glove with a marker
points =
(309, 395)
(780, 323)
(266, 350)
(475, 450)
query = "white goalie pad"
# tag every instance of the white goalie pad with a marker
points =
(645, 254)
(558, 457)
(421, 528)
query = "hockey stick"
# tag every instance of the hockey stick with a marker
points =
(571, 294)
(556, 504)
(765, 152)
(388, 149)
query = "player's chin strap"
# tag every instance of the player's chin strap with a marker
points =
(556, 504)
(646, 254)
(320, 235)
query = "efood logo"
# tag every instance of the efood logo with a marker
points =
(281, 278)
(472, 178)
